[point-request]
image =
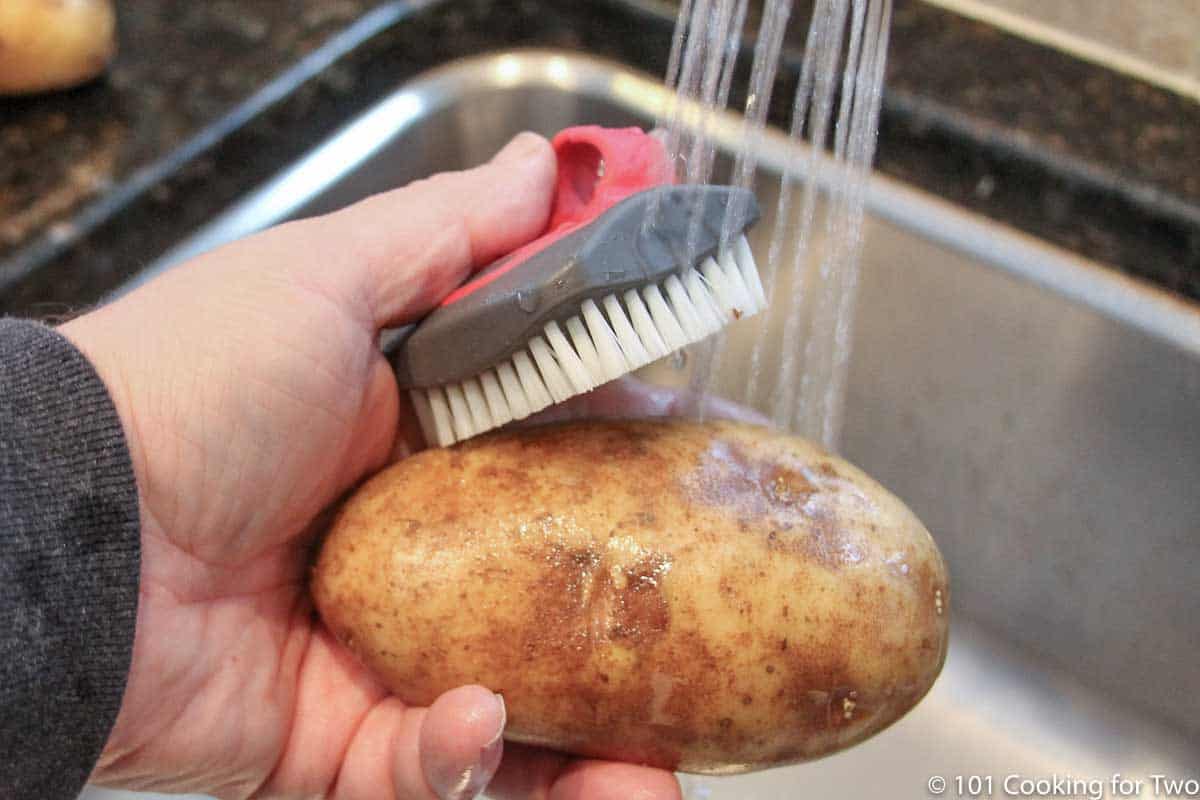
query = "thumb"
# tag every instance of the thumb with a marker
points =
(397, 254)
(458, 748)
(449, 751)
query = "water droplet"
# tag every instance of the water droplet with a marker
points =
(528, 300)
(679, 360)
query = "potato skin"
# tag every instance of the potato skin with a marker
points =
(711, 598)
(54, 44)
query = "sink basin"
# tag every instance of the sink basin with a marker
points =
(1039, 412)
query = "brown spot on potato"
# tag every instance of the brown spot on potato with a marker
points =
(581, 607)
(788, 755)
(663, 756)
(767, 494)
(727, 477)
(561, 595)
(502, 478)
(785, 486)
(640, 611)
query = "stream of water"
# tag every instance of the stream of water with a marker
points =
(795, 367)
(791, 360)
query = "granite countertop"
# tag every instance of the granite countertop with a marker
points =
(206, 100)
(1085, 157)
(181, 66)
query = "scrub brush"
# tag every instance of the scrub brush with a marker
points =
(597, 296)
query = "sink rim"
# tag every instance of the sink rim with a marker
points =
(1140, 305)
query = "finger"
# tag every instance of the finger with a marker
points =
(385, 738)
(383, 412)
(532, 773)
(350, 741)
(526, 773)
(409, 438)
(605, 780)
(461, 742)
(334, 697)
(397, 254)
(448, 751)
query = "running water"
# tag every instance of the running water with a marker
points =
(794, 368)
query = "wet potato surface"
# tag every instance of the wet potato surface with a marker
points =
(704, 597)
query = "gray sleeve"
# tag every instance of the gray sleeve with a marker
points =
(69, 560)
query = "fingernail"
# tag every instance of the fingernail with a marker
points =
(475, 778)
(520, 147)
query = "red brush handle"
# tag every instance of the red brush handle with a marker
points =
(597, 168)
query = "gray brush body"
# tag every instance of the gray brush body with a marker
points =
(611, 254)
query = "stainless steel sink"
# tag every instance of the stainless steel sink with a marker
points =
(1039, 412)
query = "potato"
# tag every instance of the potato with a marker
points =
(53, 44)
(709, 598)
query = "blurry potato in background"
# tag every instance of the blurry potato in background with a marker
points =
(54, 44)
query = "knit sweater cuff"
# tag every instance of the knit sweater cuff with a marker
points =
(69, 561)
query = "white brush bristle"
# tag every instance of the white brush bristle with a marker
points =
(605, 340)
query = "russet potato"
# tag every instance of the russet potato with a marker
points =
(54, 44)
(710, 598)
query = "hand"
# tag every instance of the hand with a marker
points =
(254, 395)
